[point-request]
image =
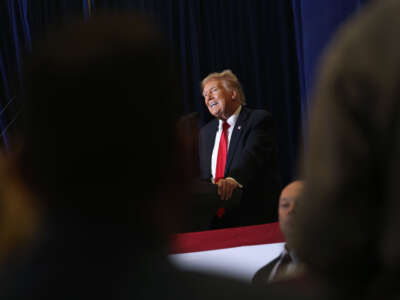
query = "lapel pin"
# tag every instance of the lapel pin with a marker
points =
(239, 127)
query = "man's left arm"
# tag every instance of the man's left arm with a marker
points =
(259, 149)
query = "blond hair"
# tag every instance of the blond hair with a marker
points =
(230, 82)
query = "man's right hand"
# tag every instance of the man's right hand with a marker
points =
(226, 186)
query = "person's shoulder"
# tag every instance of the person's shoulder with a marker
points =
(256, 117)
(256, 113)
(262, 275)
(210, 126)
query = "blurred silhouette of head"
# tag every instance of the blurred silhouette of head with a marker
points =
(349, 219)
(98, 130)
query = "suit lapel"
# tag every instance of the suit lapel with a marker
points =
(237, 131)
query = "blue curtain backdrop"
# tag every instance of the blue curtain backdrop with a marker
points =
(269, 45)
(315, 24)
(20, 22)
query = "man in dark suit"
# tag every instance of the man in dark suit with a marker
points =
(238, 151)
(284, 265)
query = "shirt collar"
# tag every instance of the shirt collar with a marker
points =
(232, 119)
(290, 252)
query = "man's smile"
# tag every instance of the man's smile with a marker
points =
(212, 104)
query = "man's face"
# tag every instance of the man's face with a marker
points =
(221, 102)
(286, 210)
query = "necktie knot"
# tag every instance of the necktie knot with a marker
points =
(225, 125)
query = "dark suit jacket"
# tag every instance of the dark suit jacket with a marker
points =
(262, 276)
(251, 161)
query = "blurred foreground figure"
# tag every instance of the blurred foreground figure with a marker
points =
(349, 219)
(284, 266)
(97, 165)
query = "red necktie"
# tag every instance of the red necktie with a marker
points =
(222, 151)
(221, 161)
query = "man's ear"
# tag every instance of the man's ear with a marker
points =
(234, 95)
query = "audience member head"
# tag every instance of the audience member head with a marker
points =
(98, 134)
(222, 94)
(287, 206)
(349, 219)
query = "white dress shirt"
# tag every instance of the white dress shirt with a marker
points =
(231, 121)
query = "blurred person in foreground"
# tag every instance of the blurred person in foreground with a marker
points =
(348, 221)
(285, 264)
(97, 164)
(238, 151)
